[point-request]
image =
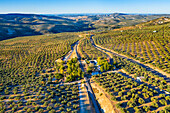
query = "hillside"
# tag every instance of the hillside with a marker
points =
(14, 25)
(147, 42)
(32, 53)
(59, 73)
(115, 20)
(158, 21)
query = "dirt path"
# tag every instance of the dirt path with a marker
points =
(72, 53)
(88, 86)
(147, 66)
(107, 105)
(84, 99)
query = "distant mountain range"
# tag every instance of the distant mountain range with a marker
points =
(117, 20)
(14, 25)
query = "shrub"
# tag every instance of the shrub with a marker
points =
(36, 108)
(153, 99)
(25, 108)
(146, 108)
(49, 108)
(61, 108)
(75, 106)
(154, 104)
(45, 104)
(57, 104)
(20, 104)
(33, 104)
(46, 94)
(118, 105)
(163, 102)
(141, 101)
(69, 104)
(53, 100)
(41, 110)
(2, 97)
(52, 111)
(114, 98)
(101, 94)
(14, 108)
(68, 109)
(120, 94)
(137, 110)
(29, 110)
(162, 95)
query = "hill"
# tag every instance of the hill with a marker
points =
(158, 21)
(14, 25)
(147, 42)
(36, 75)
(33, 53)
(115, 20)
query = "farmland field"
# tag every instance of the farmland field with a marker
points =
(88, 51)
(131, 96)
(22, 58)
(48, 73)
(41, 98)
(148, 44)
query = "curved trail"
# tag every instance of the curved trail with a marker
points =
(132, 60)
(124, 74)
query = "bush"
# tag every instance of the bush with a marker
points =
(163, 102)
(33, 104)
(36, 108)
(101, 94)
(118, 105)
(146, 108)
(114, 98)
(52, 111)
(20, 104)
(2, 97)
(14, 108)
(57, 104)
(29, 110)
(162, 95)
(141, 101)
(41, 110)
(75, 106)
(68, 109)
(46, 94)
(45, 104)
(154, 104)
(61, 108)
(69, 104)
(53, 100)
(153, 99)
(49, 108)
(25, 108)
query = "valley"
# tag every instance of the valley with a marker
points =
(111, 71)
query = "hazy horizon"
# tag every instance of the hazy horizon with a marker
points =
(83, 13)
(84, 6)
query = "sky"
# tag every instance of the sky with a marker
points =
(85, 6)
